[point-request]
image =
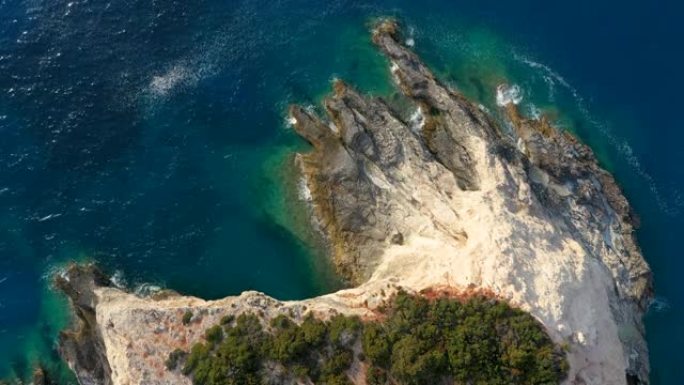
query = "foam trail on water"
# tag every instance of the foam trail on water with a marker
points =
(205, 61)
(48, 217)
(660, 305)
(161, 85)
(672, 207)
(534, 112)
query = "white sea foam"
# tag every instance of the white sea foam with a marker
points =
(68, 11)
(506, 95)
(290, 121)
(535, 112)
(146, 290)
(551, 84)
(48, 217)
(417, 120)
(3, 279)
(62, 273)
(303, 191)
(660, 305)
(161, 85)
(410, 41)
(186, 72)
(118, 279)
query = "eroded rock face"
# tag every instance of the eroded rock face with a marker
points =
(84, 347)
(528, 214)
(448, 198)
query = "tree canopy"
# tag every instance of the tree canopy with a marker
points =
(417, 341)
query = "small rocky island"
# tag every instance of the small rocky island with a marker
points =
(441, 216)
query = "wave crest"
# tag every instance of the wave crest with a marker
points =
(506, 95)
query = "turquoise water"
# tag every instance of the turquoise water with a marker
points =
(150, 137)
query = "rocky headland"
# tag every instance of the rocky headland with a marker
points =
(440, 198)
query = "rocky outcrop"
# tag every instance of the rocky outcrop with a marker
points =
(442, 196)
(83, 346)
(126, 339)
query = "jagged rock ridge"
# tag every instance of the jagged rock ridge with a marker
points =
(448, 199)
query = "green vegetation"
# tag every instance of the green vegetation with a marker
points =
(174, 358)
(417, 341)
(187, 317)
(227, 320)
(479, 341)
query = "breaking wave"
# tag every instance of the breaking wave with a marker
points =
(118, 279)
(147, 289)
(410, 39)
(506, 95)
(303, 191)
(417, 120)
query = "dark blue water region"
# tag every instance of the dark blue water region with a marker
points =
(150, 136)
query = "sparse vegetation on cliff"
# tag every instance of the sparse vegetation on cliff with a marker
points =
(415, 341)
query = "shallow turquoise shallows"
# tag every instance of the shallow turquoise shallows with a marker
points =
(151, 137)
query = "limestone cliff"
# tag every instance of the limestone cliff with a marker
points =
(446, 198)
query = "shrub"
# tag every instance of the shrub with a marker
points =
(313, 331)
(214, 335)
(175, 358)
(343, 331)
(228, 319)
(376, 376)
(337, 363)
(376, 345)
(478, 341)
(187, 317)
(287, 343)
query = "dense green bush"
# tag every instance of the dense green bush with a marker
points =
(227, 320)
(233, 359)
(187, 317)
(174, 358)
(214, 335)
(417, 342)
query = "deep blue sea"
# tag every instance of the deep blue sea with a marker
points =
(150, 136)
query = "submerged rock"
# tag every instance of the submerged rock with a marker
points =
(456, 202)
